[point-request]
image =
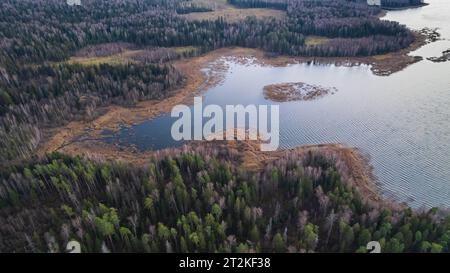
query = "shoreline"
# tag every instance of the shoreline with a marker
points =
(83, 137)
(355, 168)
(113, 117)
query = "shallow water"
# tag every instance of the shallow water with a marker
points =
(401, 121)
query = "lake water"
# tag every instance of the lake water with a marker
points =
(402, 122)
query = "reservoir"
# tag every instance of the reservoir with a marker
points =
(401, 122)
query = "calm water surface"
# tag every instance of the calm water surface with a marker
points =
(402, 122)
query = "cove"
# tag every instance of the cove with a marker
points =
(401, 122)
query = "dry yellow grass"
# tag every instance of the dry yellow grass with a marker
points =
(215, 4)
(122, 58)
(382, 57)
(185, 49)
(315, 40)
(232, 14)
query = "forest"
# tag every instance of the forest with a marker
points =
(200, 199)
(195, 198)
(271, 4)
(401, 3)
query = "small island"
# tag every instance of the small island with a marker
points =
(296, 91)
(445, 57)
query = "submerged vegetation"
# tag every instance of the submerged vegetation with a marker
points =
(294, 91)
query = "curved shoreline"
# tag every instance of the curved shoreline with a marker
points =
(116, 116)
(83, 137)
(353, 166)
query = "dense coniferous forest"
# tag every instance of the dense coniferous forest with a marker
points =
(199, 199)
(49, 96)
(401, 3)
(194, 199)
(272, 4)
